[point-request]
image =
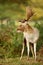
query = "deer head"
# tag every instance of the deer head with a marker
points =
(25, 28)
(20, 28)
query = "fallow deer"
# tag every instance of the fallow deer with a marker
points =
(31, 34)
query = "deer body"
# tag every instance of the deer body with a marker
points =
(33, 37)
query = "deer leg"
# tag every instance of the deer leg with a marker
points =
(35, 50)
(22, 52)
(27, 48)
(32, 51)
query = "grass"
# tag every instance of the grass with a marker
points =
(17, 61)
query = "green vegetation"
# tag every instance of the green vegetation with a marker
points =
(16, 9)
(10, 40)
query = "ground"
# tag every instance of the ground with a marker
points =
(24, 61)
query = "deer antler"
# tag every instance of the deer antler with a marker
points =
(29, 13)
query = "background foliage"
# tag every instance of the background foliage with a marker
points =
(10, 40)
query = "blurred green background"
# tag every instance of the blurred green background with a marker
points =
(10, 40)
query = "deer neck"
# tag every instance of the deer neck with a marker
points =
(28, 29)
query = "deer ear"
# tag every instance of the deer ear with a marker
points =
(22, 21)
